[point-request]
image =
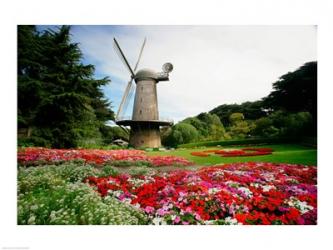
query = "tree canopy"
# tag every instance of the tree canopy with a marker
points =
(60, 102)
(289, 110)
(251, 111)
(202, 127)
(295, 91)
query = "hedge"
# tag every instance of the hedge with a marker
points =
(251, 141)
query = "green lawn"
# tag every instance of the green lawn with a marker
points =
(283, 153)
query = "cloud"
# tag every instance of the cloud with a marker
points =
(213, 65)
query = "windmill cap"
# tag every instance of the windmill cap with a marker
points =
(146, 74)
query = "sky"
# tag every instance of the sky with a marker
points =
(213, 65)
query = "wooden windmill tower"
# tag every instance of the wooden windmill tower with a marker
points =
(145, 121)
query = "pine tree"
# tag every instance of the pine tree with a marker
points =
(58, 95)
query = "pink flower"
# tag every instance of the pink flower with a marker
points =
(177, 219)
(149, 209)
(188, 209)
(161, 212)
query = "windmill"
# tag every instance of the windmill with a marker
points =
(145, 122)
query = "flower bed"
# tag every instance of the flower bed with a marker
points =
(235, 152)
(35, 156)
(201, 154)
(241, 193)
(55, 195)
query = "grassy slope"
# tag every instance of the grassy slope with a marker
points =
(283, 153)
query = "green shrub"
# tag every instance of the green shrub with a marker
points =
(209, 126)
(33, 141)
(102, 146)
(241, 142)
(181, 133)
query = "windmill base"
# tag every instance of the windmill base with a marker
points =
(145, 137)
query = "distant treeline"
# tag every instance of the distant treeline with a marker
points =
(289, 110)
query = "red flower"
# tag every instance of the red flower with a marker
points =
(235, 152)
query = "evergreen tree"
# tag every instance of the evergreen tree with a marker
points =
(58, 97)
(295, 91)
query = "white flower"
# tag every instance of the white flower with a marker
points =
(255, 185)
(32, 220)
(53, 215)
(208, 222)
(213, 190)
(231, 221)
(157, 220)
(267, 188)
(302, 206)
(34, 207)
(246, 191)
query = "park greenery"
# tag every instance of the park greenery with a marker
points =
(61, 103)
(222, 172)
(290, 110)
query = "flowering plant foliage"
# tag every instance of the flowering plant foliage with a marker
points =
(34, 155)
(55, 195)
(235, 152)
(74, 204)
(240, 193)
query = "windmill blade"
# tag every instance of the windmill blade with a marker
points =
(139, 58)
(122, 57)
(123, 99)
(129, 97)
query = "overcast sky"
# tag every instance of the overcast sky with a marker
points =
(213, 65)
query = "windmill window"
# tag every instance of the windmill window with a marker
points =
(140, 111)
(141, 87)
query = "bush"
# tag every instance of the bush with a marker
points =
(181, 133)
(209, 126)
(240, 142)
(33, 141)
(112, 133)
(240, 128)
